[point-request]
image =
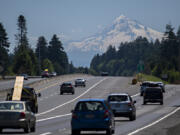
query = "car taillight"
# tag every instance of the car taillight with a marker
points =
(106, 114)
(129, 104)
(74, 116)
(22, 115)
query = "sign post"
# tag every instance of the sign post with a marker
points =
(18, 88)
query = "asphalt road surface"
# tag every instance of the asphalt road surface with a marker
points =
(6, 84)
(55, 110)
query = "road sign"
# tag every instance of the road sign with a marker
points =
(18, 88)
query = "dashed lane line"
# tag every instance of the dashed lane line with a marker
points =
(72, 99)
(47, 133)
(68, 114)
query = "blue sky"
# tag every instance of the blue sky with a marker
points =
(75, 19)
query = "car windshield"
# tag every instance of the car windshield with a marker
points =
(89, 106)
(118, 98)
(11, 106)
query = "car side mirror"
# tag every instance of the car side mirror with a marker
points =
(134, 101)
(39, 94)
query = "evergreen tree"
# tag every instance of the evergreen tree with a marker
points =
(4, 48)
(24, 59)
(41, 51)
(57, 55)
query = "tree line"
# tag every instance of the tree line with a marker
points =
(24, 59)
(159, 58)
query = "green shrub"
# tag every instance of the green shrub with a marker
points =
(134, 81)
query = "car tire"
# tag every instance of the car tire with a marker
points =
(27, 128)
(161, 103)
(1, 130)
(141, 94)
(144, 102)
(33, 129)
(75, 132)
(61, 93)
(108, 132)
(73, 93)
(132, 117)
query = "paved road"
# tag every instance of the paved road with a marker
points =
(54, 110)
(6, 84)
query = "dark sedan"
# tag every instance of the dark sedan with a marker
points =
(17, 115)
(66, 87)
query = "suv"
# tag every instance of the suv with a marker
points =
(153, 94)
(66, 87)
(122, 105)
(80, 82)
(144, 85)
(28, 94)
(92, 115)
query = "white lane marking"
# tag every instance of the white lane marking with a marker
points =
(140, 129)
(135, 95)
(48, 133)
(72, 99)
(58, 116)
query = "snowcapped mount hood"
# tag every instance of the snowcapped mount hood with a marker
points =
(122, 29)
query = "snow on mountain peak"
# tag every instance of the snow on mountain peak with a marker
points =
(122, 29)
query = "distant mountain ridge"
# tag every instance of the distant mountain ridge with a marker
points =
(122, 29)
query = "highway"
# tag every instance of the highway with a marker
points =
(7, 84)
(55, 110)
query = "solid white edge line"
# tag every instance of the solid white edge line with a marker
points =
(72, 99)
(140, 129)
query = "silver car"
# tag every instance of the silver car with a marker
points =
(80, 82)
(122, 105)
(17, 115)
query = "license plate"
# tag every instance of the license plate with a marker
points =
(89, 116)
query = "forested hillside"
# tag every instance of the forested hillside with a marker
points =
(159, 58)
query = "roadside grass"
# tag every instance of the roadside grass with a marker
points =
(143, 77)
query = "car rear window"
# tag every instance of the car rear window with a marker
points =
(89, 106)
(118, 98)
(11, 106)
(153, 91)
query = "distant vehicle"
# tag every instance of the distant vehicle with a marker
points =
(122, 105)
(17, 115)
(28, 94)
(92, 115)
(104, 73)
(25, 76)
(53, 74)
(144, 85)
(45, 74)
(162, 85)
(153, 95)
(80, 82)
(67, 87)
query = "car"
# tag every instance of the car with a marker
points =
(104, 73)
(80, 82)
(153, 95)
(144, 85)
(25, 76)
(66, 87)
(45, 74)
(122, 105)
(53, 74)
(17, 115)
(28, 94)
(92, 115)
(162, 85)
